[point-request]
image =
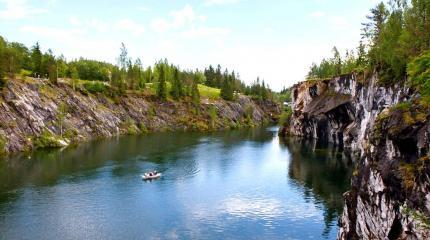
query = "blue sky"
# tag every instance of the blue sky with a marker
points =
(276, 40)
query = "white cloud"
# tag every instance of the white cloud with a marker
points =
(98, 25)
(74, 21)
(130, 26)
(220, 2)
(18, 9)
(183, 16)
(205, 32)
(89, 47)
(93, 23)
(338, 21)
(333, 20)
(160, 25)
(178, 19)
(317, 14)
(144, 9)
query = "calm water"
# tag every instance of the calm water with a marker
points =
(243, 184)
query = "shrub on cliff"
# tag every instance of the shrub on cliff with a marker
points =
(48, 140)
(95, 87)
(419, 73)
(2, 146)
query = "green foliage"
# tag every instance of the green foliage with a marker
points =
(36, 60)
(213, 116)
(90, 70)
(392, 36)
(2, 146)
(61, 114)
(195, 94)
(209, 92)
(249, 111)
(286, 116)
(419, 73)
(126, 75)
(161, 87)
(177, 90)
(259, 90)
(227, 88)
(47, 140)
(95, 87)
(129, 127)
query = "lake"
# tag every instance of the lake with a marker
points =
(242, 184)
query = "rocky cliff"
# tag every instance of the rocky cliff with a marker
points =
(34, 113)
(388, 128)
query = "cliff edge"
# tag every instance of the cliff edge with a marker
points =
(388, 129)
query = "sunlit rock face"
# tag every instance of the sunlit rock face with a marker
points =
(27, 109)
(342, 110)
(390, 187)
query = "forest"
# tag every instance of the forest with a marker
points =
(395, 44)
(167, 80)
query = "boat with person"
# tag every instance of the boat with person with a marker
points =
(151, 175)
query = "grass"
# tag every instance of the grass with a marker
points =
(209, 92)
(205, 91)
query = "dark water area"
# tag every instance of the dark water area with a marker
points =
(244, 184)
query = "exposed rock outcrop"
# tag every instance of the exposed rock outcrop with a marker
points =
(31, 109)
(388, 129)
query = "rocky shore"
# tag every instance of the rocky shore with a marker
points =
(35, 113)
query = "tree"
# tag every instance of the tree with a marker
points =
(50, 66)
(2, 70)
(227, 87)
(75, 76)
(61, 114)
(264, 94)
(177, 91)
(162, 88)
(195, 94)
(36, 59)
(337, 61)
(123, 64)
(372, 29)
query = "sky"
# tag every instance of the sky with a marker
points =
(276, 40)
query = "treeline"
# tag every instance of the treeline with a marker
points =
(127, 74)
(394, 35)
(230, 83)
(336, 65)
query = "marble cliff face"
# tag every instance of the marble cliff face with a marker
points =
(29, 110)
(389, 134)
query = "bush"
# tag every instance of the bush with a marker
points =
(286, 116)
(2, 146)
(95, 87)
(47, 140)
(419, 73)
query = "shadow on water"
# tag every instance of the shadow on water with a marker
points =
(218, 166)
(46, 167)
(323, 171)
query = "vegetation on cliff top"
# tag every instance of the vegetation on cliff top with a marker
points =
(395, 34)
(126, 75)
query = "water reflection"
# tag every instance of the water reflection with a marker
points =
(236, 184)
(322, 171)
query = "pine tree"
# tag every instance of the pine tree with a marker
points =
(2, 70)
(337, 61)
(195, 94)
(36, 59)
(177, 91)
(227, 87)
(264, 94)
(75, 76)
(162, 88)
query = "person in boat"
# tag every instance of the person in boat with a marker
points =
(150, 174)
